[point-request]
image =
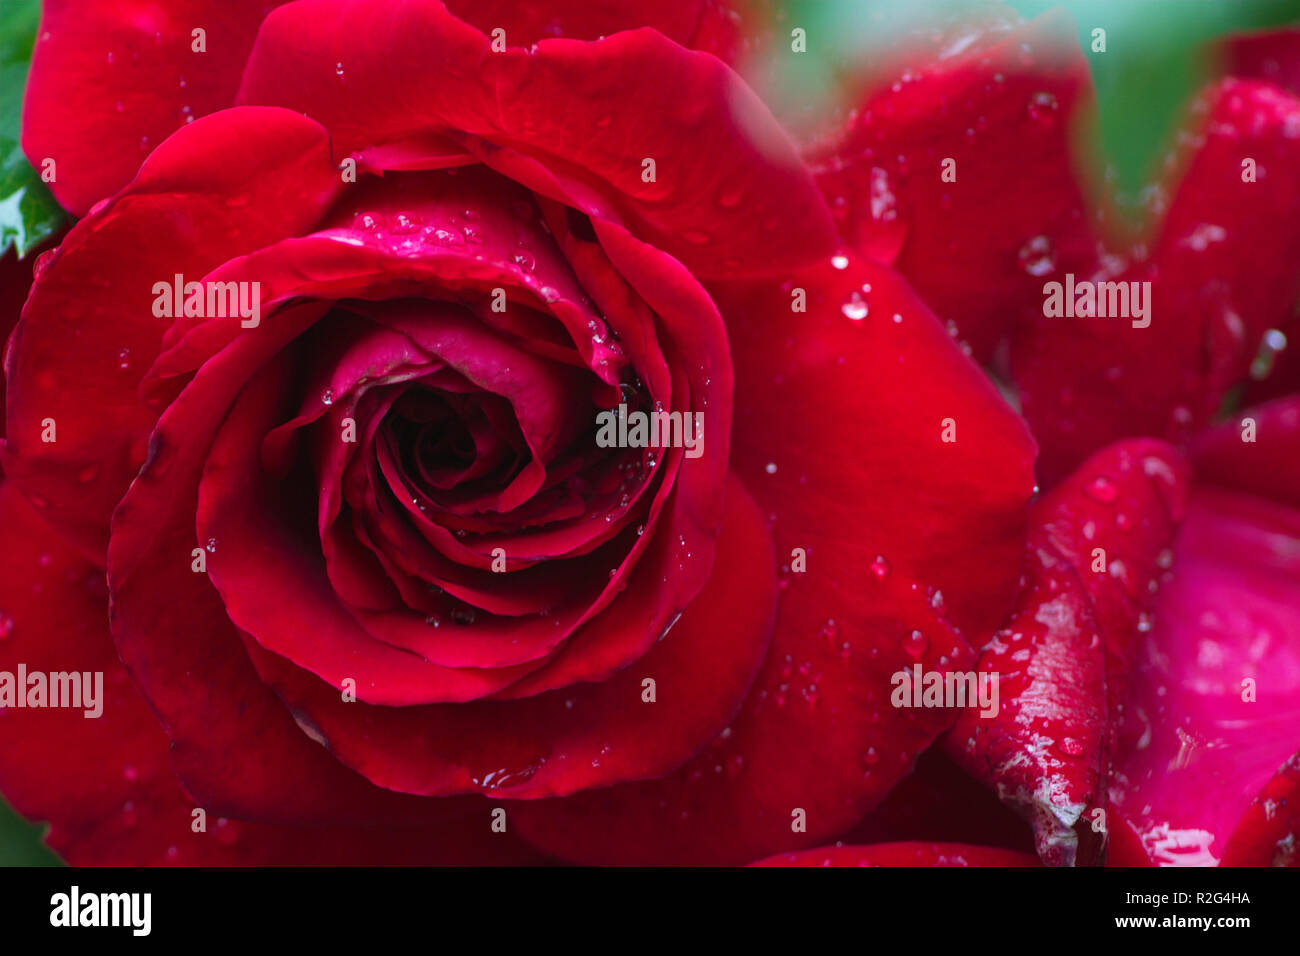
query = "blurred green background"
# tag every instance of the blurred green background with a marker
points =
(1153, 63)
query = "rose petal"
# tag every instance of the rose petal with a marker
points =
(1268, 465)
(1064, 656)
(111, 79)
(1214, 712)
(1002, 112)
(815, 733)
(765, 210)
(1267, 833)
(88, 333)
(107, 788)
(577, 737)
(1215, 292)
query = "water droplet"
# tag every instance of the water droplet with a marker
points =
(1043, 108)
(855, 307)
(770, 468)
(227, 831)
(6, 625)
(1101, 489)
(327, 397)
(549, 294)
(916, 644)
(840, 261)
(338, 70)
(405, 223)
(433, 620)
(830, 631)
(124, 359)
(1265, 359)
(880, 567)
(211, 546)
(463, 616)
(870, 758)
(1037, 257)
(730, 198)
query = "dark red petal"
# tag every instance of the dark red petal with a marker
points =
(849, 473)
(572, 120)
(1216, 291)
(88, 333)
(1269, 55)
(940, 801)
(111, 79)
(272, 581)
(15, 283)
(1064, 656)
(1267, 465)
(1005, 109)
(106, 785)
(585, 735)
(1216, 706)
(903, 854)
(1269, 833)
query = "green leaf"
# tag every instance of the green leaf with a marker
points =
(29, 214)
(21, 842)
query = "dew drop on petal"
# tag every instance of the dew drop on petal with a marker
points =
(1043, 108)
(855, 307)
(1101, 489)
(1037, 257)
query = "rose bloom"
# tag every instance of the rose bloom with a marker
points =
(366, 587)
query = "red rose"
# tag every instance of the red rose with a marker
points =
(367, 559)
(327, 443)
